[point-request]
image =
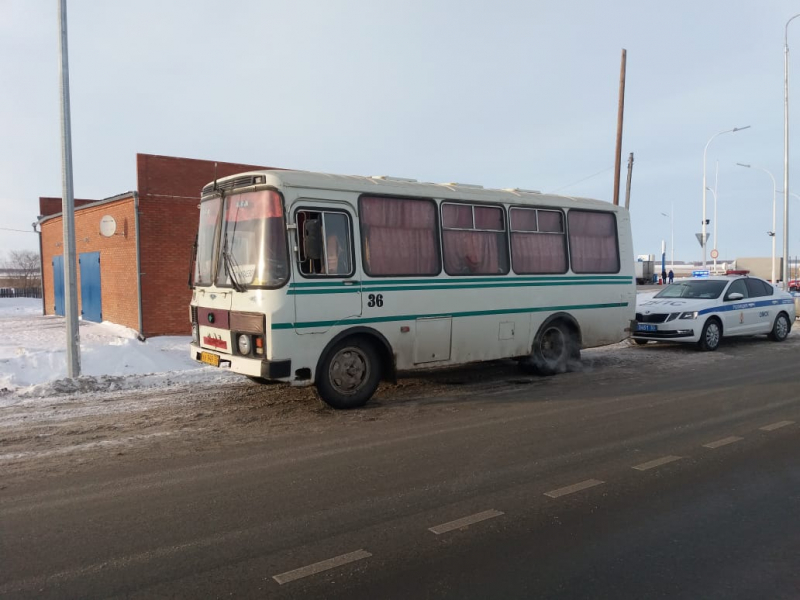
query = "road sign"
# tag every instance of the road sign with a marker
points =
(714, 253)
(700, 239)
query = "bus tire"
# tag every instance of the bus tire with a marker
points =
(349, 373)
(553, 349)
(781, 328)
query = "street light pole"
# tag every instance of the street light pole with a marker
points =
(705, 151)
(786, 149)
(774, 194)
(68, 207)
(714, 193)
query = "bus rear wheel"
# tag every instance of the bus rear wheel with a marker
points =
(553, 350)
(349, 374)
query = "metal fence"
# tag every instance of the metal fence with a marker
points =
(10, 292)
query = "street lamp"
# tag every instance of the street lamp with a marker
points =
(714, 244)
(786, 150)
(771, 233)
(705, 151)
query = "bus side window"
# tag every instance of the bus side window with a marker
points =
(325, 247)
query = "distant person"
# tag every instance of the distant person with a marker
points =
(671, 275)
(663, 278)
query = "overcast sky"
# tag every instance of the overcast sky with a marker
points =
(500, 93)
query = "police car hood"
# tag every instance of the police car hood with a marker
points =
(669, 305)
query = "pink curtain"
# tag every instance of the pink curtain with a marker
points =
(400, 236)
(537, 253)
(474, 253)
(593, 242)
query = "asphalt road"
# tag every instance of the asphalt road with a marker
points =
(681, 484)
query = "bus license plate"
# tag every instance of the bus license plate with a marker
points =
(645, 327)
(210, 359)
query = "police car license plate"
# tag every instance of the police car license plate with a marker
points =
(645, 327)
(210, 359)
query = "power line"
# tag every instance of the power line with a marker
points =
(19, 230)
(581, 180)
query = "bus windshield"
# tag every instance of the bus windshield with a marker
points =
(252, 246)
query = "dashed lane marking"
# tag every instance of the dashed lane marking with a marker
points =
(774, 426)
(657, 462)
(723, 442)
(325, 565)
(465, 521)
(576, 487)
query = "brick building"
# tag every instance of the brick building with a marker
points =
(133, 271)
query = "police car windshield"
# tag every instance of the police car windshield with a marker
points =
(698, 289)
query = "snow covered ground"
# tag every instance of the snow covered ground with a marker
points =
(33, 356)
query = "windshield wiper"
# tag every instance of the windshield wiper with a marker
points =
(230, 267)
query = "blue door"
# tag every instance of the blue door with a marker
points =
(91, 298)
(58, 284)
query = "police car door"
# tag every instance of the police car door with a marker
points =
(760, 292)
(735, 317)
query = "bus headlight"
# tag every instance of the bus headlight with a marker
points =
(244, 344)
(195, 334)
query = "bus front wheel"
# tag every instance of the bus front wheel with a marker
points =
(349, 374)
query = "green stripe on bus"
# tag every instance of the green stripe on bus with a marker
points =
(395, 288)
(459, 280)
(472, 313)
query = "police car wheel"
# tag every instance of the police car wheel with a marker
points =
(711, 336)
(639, 342)
(780, 330)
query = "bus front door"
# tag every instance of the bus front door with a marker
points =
(326, 289)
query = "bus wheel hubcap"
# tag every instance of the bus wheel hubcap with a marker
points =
(553, 345)
(349, 370)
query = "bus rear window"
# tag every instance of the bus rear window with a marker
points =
(593, 242)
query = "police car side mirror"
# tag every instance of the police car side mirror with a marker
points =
(734, 296)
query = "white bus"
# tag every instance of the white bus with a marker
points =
(342, 281)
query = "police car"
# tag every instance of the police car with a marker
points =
(703, 311)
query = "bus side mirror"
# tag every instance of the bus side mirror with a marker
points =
(312, 239)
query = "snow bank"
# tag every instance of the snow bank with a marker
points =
(33, 356)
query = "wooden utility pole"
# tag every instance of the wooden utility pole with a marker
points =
(620, 111)
(628, 185)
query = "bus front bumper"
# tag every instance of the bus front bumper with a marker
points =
(266, 369)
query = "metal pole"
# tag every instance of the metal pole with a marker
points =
(786, 149)
(620, 111)
(714, 245)
(628, 184)
(773, 233)
(68, 208)
(705, 151)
